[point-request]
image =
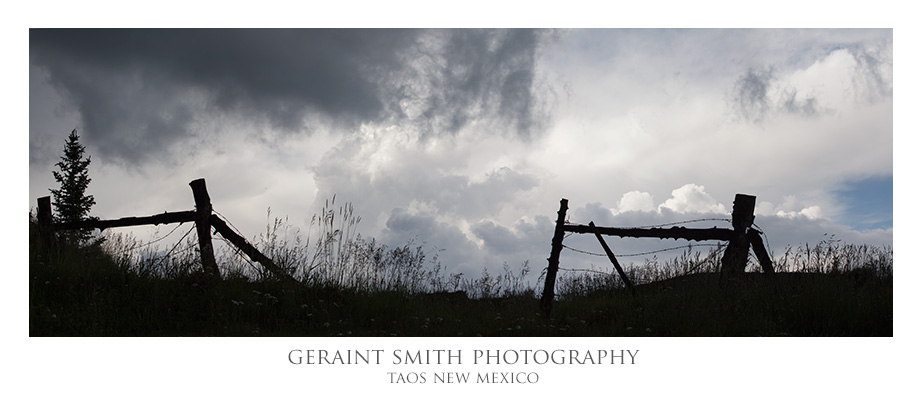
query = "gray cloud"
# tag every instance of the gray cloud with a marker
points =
(445, 239)
(757, 94)
(138, 91)
(750, 96)
(457, 77)
(525, 240)
(807, 107)
(873, 76)
(760, 92)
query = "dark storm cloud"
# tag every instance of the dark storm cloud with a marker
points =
(128, 85)
(135, 89)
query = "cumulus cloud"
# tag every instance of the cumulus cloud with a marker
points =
(692, 198)
(813, 212)
(636, 201)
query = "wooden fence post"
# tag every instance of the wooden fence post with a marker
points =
(45, 221)
(557, 244)
(735, 256)
(203, 205)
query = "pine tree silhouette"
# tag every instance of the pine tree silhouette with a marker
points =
(70, 201)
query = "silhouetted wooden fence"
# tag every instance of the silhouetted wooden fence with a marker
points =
(202, 216)
(734, 261)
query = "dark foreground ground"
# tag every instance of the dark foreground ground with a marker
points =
(104, 301)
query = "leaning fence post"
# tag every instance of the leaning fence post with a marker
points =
(735, 256)
(203, 205)
(557, 244)
(615, 262)
(756, 242)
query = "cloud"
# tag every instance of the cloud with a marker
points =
(873, 74)
(636, 201)
(691, 198)
(750, 96)
(456, 78)
(813, 212)
(140, 92)
(862, 71)
(453, 247)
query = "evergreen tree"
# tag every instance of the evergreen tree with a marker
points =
(70, 201)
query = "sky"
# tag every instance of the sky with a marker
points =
(464, 141)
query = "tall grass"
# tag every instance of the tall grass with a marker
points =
(829, 256)
(332, 253)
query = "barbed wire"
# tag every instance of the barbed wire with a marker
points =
(669, 224)
(645, 253)
(586, 270)
(157, 240)
(164, 256)
(765, 236)
(227, 221)
(237, 251)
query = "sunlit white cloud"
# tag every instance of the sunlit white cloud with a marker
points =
(691, 198)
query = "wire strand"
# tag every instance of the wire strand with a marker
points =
(157, 240)
(164, 256)
(644, 253)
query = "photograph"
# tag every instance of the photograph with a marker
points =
(448, 209)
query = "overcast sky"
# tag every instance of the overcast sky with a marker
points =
(466, 140)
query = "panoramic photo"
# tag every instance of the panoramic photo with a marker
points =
(460, 183)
